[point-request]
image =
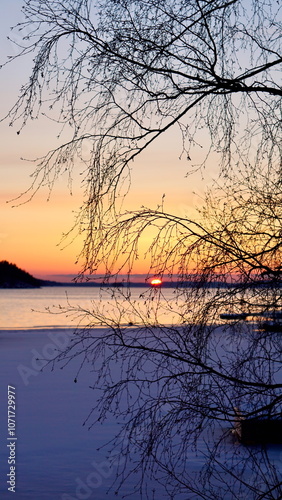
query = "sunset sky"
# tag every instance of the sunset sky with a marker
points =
(30, 233)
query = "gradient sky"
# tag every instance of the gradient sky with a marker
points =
(30, 233)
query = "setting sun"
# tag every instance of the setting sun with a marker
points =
(156, 282)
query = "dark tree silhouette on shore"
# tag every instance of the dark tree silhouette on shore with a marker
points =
(117, 75)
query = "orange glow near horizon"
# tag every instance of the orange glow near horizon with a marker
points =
(30, 234)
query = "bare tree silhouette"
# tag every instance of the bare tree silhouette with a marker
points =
(120, 74)
(186, 383)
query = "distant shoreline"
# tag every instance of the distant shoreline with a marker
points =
(136, 284)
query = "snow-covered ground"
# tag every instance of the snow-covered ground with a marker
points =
(56, 455)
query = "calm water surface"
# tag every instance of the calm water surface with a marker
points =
(43, 307)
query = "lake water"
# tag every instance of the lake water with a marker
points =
(57, 457)
(43, 307)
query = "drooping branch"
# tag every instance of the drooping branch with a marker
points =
(119, 85)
